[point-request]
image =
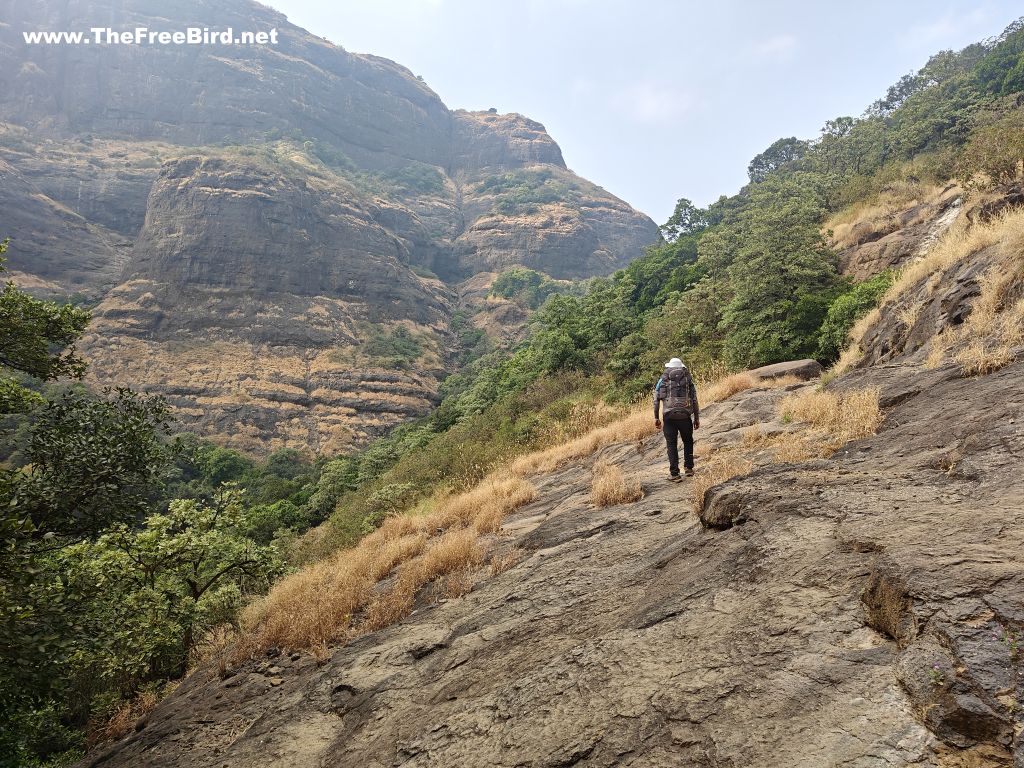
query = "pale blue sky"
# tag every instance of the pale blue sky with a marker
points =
(658, 99)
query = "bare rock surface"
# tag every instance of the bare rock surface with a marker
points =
(803, 369)
(899, 240)
(855, 611)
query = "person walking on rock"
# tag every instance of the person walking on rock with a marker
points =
(681, 414)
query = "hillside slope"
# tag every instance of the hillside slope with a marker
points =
(858, 610)
(252, 219)
(862, 609)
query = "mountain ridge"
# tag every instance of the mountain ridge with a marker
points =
(332, 190)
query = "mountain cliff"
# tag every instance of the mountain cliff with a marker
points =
(847, 602)
(259, 224)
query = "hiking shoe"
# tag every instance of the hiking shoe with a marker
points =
(689, 471)
(675, 479)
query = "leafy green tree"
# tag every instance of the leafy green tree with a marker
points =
(996, 150)
(35, 339)
(264, 521)
(782, 275)
(686, 219)
(223, 465)
(527, 286)
(182, 560)
(92, 462)
(780, 154)
(288, 463)
(846, 310)
(337, 478)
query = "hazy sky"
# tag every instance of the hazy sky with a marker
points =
(658, 99)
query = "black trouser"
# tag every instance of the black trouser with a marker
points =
(673, 427)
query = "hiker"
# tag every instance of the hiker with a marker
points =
(676, 389)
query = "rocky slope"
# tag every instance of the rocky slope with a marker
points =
(875, 245)
(860, 610)
(865, 609)
(252, 218)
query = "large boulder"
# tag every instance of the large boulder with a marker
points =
(802, 369)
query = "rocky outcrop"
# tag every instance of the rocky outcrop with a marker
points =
(802, 369)
(487, 139)
(280, 277)
(59, 248)
(859, 610)
(893, 242)
(374, 110)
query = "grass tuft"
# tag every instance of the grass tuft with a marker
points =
(724, 465)
(841, 416)
(611, 487)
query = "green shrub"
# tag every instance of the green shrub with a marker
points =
(524, 190)
(525, 286)
(397, 349)
(263, 521)
(845, 311)
(418, 178)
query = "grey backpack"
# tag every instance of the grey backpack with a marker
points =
(675, 392)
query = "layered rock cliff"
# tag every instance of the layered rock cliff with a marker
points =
(250, 219)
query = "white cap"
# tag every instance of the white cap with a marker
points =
(675, 362)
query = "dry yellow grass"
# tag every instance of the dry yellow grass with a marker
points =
(880, 213)
(316, 606)
(724, 465)
(610, 486)
(634, 426)
(842, 416)
(985, 341)
(726, 387)
(503, 561)
(484, 506)
(960, 242)
(833, 420)
(796, 448)
(854, 352)
(637, 425)
(329, 601)
(452, 556)
(123, 721)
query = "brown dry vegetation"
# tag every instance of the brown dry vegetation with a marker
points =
(611, 487)
(832, 420)
(728, 386)
(986, 340)
(123, 721)
(880, 213)
(320, 604)
(723, 465)
(842, 416)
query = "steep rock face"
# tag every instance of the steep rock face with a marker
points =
(280, 277)
(283, 205)
(855, 611)
(899, 240)
(370, 107)
(229, 224)
(548, 219)
(484, 139)
(941, 299)
(52, 242)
